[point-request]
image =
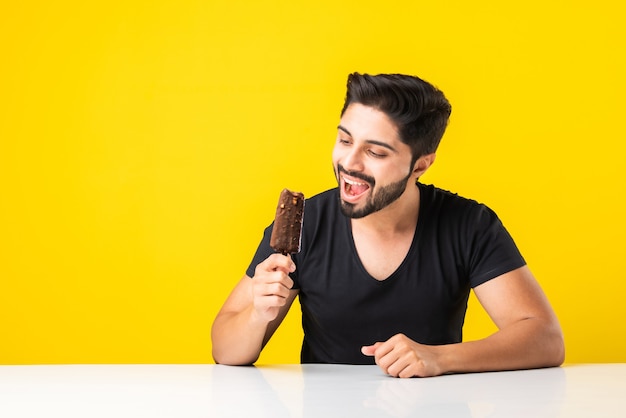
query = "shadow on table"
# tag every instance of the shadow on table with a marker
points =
(239, 391)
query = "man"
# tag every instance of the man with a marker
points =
(387, 263)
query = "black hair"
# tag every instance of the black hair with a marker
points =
(419, 110)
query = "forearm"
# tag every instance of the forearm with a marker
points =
(252, 312)
(238, 337)
(528, 343)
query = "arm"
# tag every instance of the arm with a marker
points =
(253, 311)
(528, 336)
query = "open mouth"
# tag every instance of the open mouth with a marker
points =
(352, 189)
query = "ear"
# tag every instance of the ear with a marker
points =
(422, 164)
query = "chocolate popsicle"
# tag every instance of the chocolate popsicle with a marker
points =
(288, 223)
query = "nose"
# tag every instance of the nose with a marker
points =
(351, 160)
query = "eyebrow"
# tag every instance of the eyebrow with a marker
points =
(371, 141)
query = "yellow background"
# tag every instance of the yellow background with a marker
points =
(143, 145)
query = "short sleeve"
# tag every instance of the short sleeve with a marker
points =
(262, 252)
(492, 251)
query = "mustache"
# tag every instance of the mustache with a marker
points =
(360, 176)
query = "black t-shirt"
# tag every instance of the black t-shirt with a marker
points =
(458, 244)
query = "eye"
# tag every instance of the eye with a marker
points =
(343, 141)
(377, 154)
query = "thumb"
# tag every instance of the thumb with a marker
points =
(370, 350)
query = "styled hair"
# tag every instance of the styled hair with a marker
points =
(419, 110)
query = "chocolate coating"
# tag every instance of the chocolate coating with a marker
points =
(287, 230)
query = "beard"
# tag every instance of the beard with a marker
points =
(377, 200)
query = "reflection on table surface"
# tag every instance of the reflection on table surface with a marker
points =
(306, 391)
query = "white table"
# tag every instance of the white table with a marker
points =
(588, 390)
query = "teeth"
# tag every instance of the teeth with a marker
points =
(354, 183)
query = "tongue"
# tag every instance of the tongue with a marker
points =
(357, 189)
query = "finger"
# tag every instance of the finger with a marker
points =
(370, 350)
(382, 349)
(281, 279)
(399, 368)
(275, 262)
(282, 262)
(263, 278)
(407, 372)
(386, 356)
(276, 289)
(271, 287)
